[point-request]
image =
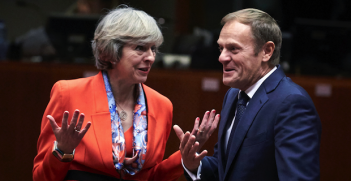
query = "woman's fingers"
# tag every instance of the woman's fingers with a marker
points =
(67, 137)
(204, 122)
(210, 120)
(64, 121)
(53, 123)
(214, 124)
(84, 130)
(129, 161)
(73, 123)
(80, 122)
(196, 126)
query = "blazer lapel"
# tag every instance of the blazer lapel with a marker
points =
(151, 125)
(255, 104)
(101, 123)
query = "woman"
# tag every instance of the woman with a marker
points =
(126, 123)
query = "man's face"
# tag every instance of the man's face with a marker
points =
(242, 67)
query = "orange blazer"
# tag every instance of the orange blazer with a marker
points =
(94, 153)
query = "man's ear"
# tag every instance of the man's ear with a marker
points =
(268, 49)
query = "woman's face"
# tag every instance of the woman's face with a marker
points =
(136, 62)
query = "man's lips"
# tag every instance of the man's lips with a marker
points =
(228, 69)
(144, 69)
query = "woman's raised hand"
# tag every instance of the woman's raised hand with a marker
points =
(69, 135)
(191, 143)
(208, 125)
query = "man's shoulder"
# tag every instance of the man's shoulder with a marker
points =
(287, 90)
(289, 87)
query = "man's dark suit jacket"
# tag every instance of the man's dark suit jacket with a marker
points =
(278, 137)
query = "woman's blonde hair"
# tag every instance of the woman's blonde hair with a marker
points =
(123, 25)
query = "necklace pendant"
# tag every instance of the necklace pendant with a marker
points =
(123, 115)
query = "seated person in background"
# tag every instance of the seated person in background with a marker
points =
(35, 45)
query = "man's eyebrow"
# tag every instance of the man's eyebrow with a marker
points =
(228, 43)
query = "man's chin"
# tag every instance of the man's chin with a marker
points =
(227, 82)
(232, 83)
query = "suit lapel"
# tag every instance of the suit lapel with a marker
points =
(226, 112)
(255, 104)
(227, 115)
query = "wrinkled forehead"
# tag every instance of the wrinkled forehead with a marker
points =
(235, 31)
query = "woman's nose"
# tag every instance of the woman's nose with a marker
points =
(150, 55)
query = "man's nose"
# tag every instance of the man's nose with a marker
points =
(224, 56)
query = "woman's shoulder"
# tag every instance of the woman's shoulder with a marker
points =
(76, 84)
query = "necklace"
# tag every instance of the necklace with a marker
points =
(123, 115)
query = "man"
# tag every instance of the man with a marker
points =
(269, 128)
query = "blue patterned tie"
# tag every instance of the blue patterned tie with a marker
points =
(240, 109)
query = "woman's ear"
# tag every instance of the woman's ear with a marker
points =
(268, 49)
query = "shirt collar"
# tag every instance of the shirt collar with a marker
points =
(252, 89)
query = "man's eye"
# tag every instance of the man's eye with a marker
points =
(220, 49)
(232, 48)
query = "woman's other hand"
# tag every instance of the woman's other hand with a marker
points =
(130, 161)
(69, 135)
(191, 143)
(208, 125)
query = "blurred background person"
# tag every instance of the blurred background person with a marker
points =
(50, 41)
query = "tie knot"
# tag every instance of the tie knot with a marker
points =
(243, 98)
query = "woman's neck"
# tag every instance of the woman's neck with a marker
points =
(123, 91)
